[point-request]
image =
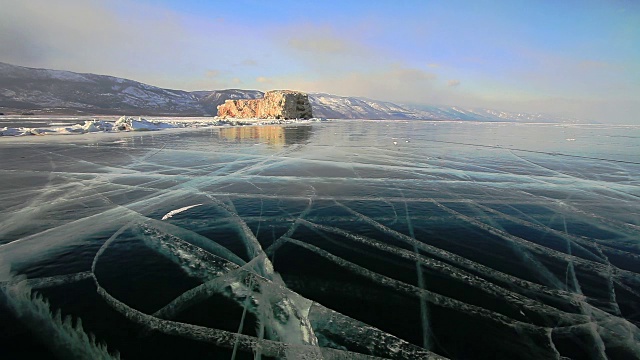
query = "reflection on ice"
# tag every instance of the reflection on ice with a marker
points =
(276, 136)
(330, 243)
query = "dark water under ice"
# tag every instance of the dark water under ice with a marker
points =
(392, 239)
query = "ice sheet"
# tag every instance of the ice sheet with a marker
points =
(329, 240)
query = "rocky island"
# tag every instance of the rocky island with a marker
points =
(276, 104)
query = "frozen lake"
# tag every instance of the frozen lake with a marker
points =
(346, 239)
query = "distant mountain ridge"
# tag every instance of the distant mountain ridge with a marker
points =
(43, 91)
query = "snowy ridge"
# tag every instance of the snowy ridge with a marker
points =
(333, 106)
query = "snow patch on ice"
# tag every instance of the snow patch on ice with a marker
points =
(139, 124)
(177, 211)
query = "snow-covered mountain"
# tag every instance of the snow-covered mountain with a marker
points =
(343, 107)
(480, 114)
(42, 91)
(54, 91)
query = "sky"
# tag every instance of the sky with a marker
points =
(573, 58)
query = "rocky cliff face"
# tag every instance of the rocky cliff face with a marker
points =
(276, 104)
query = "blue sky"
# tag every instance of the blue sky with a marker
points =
(574, 58)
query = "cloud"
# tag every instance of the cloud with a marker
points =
(20, 47)
(453, 83)
(393, 83)
(560, 75)
(91, 35)
(212, 73)
(321, 44)
(410, 75)
(264, 80)
(323, 40)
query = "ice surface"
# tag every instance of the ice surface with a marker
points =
(327, 240)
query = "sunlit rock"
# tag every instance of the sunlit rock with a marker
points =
(276, 104)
